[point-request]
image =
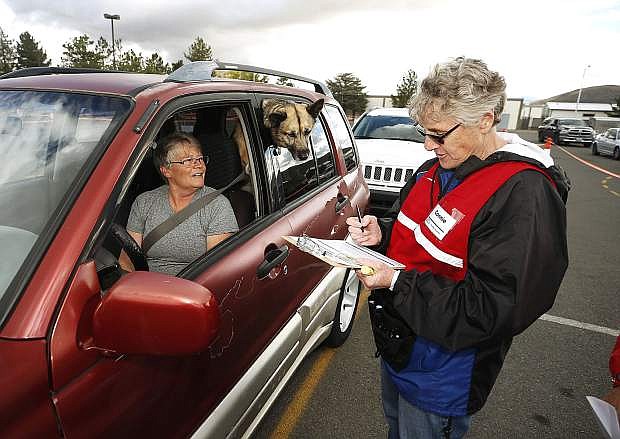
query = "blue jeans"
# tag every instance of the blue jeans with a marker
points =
(406, 421)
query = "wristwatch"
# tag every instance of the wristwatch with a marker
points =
(615, 380)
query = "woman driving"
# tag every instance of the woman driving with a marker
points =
(179, 159)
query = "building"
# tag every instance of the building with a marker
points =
(594, 103)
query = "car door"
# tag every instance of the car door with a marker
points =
(315, 199)
(604, 143)
(98, 393)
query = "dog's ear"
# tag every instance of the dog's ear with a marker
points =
(315, 109)
(273, 112)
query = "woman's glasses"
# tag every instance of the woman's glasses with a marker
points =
(191, 161)
(435, 138)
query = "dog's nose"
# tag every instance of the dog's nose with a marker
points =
(303, 155)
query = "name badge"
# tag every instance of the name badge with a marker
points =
(440, 222)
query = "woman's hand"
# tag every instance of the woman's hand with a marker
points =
(380, 278)
(371, 233)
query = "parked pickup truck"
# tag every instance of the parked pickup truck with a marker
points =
(566, 131)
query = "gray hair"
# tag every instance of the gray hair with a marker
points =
(165, 146)
(464, 89)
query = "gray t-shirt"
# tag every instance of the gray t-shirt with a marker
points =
(188, 240)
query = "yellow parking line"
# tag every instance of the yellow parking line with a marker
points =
(289, 419)
(615, 193)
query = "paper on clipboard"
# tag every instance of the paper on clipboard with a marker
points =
(339, 253)
(606, 417)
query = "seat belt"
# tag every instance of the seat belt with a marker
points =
(173, 221)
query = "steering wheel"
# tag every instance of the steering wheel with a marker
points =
(130, 246)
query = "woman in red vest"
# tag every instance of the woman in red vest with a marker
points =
(613, 397)
(481, 230)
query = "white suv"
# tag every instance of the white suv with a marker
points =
(391, 150)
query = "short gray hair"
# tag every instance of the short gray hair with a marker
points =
(464, 89)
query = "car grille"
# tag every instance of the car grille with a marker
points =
(387, 174)
(579, 132)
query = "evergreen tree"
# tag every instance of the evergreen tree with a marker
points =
(349, 92)
(155, 64)
(7, 53)
(176, 65)
(130, 62)
(406, 89)
(29, 54)
(246, 76)
(83, 52)
(199, 50)
(284, 81)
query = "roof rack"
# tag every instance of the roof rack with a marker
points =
(203, 71)
(37, 71)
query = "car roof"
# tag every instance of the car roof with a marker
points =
(115, 83)
(126, 83)
(389, 112)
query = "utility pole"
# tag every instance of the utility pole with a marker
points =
(581, 87)
(112, 18)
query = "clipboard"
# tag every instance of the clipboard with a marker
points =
(340, 253)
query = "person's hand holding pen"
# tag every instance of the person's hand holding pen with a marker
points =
(364, 230)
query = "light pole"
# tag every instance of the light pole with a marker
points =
(112, 18)
(581, 87)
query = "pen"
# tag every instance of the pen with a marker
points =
(359, 217)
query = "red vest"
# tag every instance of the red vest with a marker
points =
(435, 237)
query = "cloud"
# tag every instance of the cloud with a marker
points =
(540, 47)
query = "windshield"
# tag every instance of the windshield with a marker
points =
(45, 140)
(575, 122)
(387, 127)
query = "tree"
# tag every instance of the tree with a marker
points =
(282, 80)
(83, 52)
(406, 89)
(7, 53)
(199, 51)
(155, 64)
(131, 61)
(246, 76)
(176, 65)
(29, 54)
(349, 91)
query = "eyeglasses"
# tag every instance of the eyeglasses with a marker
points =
(435, 138)
(191, 161)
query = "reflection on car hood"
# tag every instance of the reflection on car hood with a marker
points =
(399, 153)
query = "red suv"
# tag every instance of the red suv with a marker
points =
(90, 350)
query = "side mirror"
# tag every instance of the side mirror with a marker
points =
(155, 314)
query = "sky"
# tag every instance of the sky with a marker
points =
(541, 47)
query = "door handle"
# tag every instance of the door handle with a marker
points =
(273, 258)
(341, 202)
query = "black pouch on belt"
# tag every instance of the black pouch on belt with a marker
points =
(393, 337)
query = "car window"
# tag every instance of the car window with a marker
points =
(388, 127)
(322, 150)
(48, 138)
(222, 134)
(342, 136)
(573, 122)
(298, 177)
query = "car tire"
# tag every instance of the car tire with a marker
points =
(616, 155)
(345, 311)
(594, 148)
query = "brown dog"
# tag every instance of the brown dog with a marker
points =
(290, 124)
